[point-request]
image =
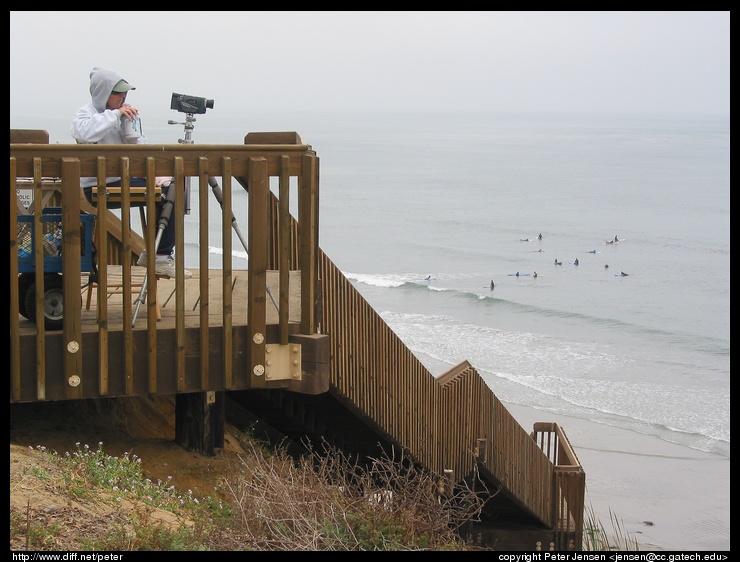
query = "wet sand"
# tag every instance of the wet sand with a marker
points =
(665, 496)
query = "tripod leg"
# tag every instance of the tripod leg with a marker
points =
(218, 193)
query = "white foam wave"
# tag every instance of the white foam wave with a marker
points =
(376, 280)
(581, 379)
(235, 253)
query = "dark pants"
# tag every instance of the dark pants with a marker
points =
(167, 242)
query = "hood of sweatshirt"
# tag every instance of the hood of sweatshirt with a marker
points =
(102, 82)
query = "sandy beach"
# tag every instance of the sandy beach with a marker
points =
(666, 496)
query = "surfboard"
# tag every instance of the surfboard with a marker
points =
(520, 275)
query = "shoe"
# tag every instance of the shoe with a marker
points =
(164, 266)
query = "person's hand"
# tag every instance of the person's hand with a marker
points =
(128, 110)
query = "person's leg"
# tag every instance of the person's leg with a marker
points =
(167, 242)
(164, 261)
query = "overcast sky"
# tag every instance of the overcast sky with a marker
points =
(668, 62)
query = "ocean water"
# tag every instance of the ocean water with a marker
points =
(462, 200)
(422, 212)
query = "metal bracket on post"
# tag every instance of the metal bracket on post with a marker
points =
(283, 362)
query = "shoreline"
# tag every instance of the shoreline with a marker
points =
(665, 496)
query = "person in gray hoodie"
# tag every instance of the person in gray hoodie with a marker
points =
(101, 122)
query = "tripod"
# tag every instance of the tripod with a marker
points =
(169, 204)
(189, 120)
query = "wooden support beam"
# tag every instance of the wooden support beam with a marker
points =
(199, 421)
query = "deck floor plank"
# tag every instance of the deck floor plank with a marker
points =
(191, 312)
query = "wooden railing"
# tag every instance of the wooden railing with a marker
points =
(569, 484)
(452, 424)
(60, 167)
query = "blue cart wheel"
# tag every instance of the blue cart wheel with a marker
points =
(25, 280)
(53, 305)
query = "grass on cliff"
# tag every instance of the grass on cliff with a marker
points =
(323, 502)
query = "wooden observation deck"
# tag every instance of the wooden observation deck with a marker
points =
(317, 362)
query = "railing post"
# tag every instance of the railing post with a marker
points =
(71, 264)
(284, 245)
(308, 241)
(15, 355)
(257, 238)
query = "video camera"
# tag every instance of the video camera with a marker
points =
(190, 104)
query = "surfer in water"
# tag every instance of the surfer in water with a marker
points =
(492, 284)
(539, 237)
(558, 262)
(428, 278)
(534, 274)
(606, 266)
(615, 238)
(575, 262)
(624, 274)
(517, 274)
